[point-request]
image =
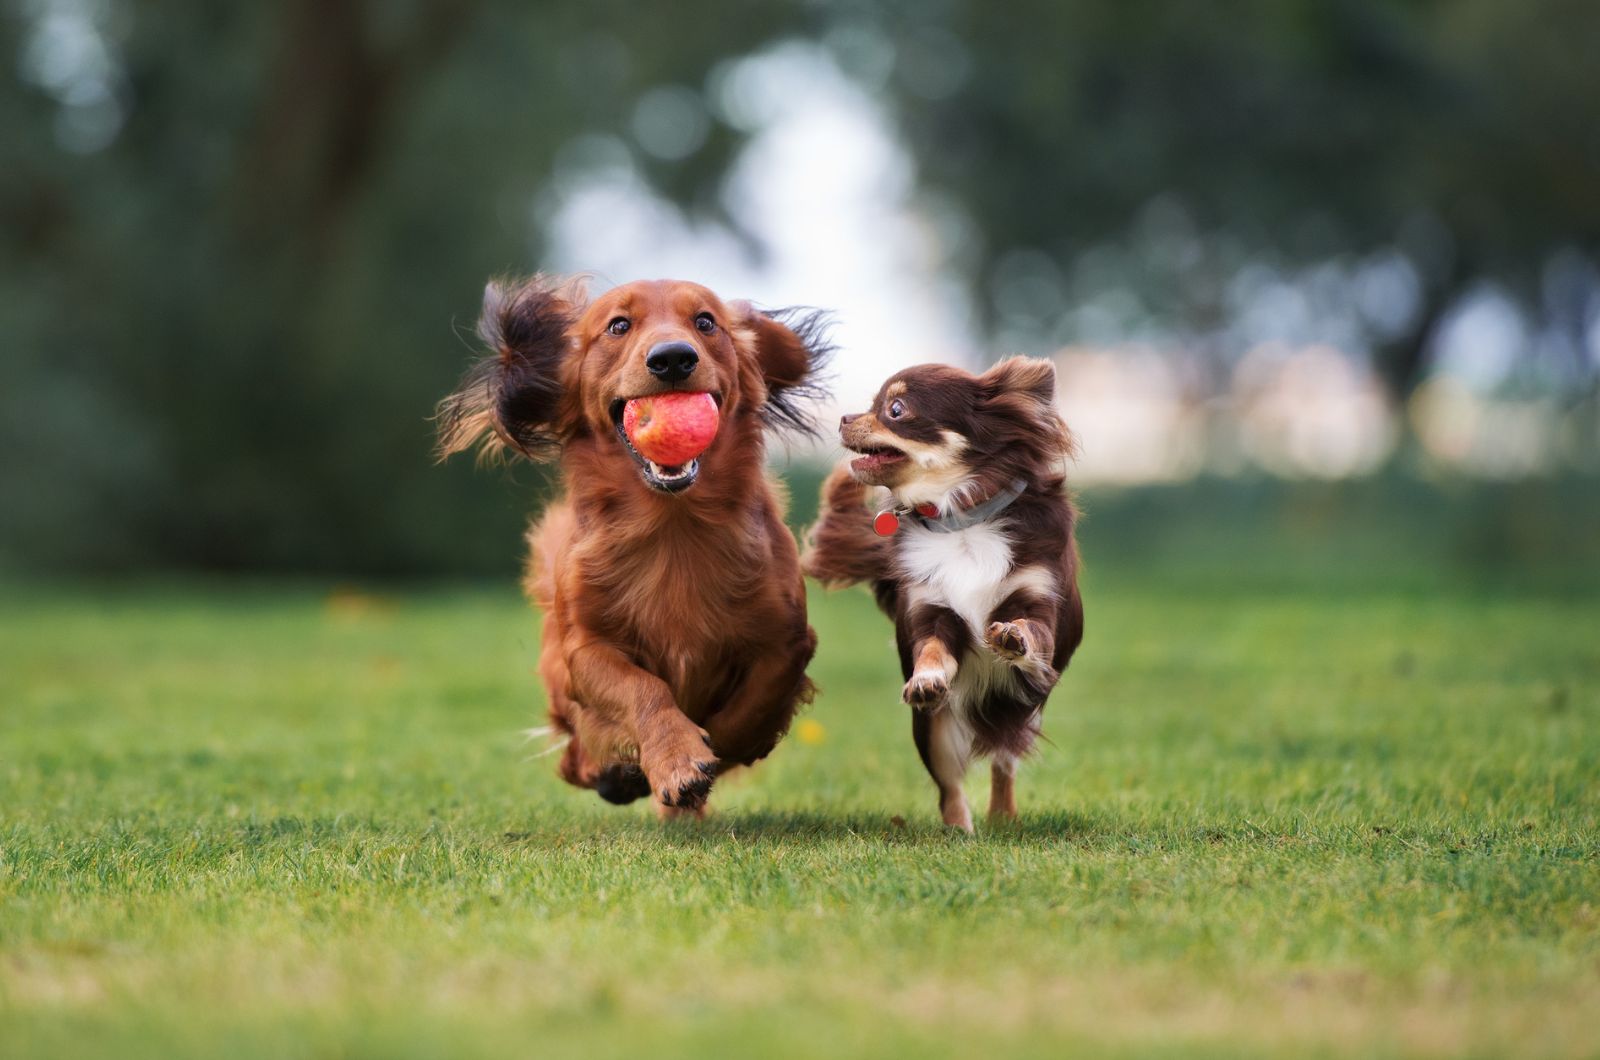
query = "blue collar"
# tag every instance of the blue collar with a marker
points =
(962, 518)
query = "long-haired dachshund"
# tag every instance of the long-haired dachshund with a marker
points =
(971, 553)
(675, 640)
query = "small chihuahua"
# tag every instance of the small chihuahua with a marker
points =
(971, 552)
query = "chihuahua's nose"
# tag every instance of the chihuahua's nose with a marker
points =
(671, 362)
(845, 421)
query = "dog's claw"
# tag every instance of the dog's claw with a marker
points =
(686, 783)
(691, 795)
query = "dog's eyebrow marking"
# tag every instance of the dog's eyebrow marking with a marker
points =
(894, 389)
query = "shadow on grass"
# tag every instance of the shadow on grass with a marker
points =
(149, 841)
(808, 826)
(1132, 833)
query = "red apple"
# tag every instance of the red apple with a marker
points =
(673, 428)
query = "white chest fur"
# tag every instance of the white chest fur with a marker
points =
(964, 570)
(968, 572)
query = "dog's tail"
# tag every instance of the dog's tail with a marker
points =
(841, 547)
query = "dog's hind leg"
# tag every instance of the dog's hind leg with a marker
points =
(945, 743)
(621, 783)
(1003, 787)
(745, 729)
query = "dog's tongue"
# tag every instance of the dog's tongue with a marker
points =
(673, 428)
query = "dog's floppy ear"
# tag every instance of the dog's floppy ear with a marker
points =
(1024, 390)
(791, 347)
(512, 399)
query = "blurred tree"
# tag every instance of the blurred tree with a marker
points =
(1464, 134)
(236, 238)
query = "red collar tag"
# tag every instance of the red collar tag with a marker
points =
(886, 522)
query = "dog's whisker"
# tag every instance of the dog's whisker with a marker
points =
(552, 749)
(530, 735)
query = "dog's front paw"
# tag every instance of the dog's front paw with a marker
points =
(926, 689)
(681, 776)
(1009, 640)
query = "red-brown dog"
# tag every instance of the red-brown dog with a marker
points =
(675, 639)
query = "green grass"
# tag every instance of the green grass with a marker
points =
(257, 821)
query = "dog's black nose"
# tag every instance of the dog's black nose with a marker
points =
(671, 362)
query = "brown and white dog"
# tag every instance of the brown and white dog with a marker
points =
(972, 554)
(675, 640)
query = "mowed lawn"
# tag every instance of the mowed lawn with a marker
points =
(250, 820)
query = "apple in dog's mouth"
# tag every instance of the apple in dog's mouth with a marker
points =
(666, 433)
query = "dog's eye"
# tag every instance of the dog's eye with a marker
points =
(897, 408)
(619, 326)
(704, 324)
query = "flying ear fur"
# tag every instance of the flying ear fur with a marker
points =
(511, 400)
(792, 347)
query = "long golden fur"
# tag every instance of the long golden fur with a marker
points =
(675, 639)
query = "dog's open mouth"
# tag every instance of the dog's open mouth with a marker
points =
(668, 478)
(874, 458)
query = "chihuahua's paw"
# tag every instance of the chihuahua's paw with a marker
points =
(1009, 640)
(926, 689)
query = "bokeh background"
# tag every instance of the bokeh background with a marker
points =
(1322, 279)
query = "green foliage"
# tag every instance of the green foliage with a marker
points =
(230, 327)
(269, 821)
(1461, 135)
(224, 332)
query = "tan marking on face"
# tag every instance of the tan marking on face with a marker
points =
(932, 472)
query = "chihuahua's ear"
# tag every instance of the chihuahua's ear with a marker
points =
(1031, 378)
(1024, 390)
(512, 399)
(791, 347)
